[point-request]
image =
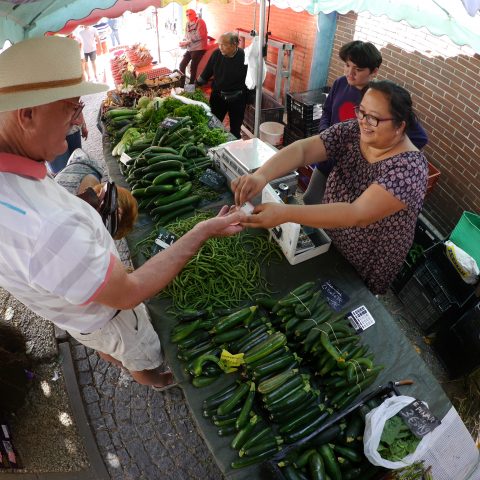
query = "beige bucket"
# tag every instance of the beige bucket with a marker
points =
(272, 132)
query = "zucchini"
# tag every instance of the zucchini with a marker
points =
(229, 404)
(287, 387)
(234, 319)
(272, 384)
(331, 464)
(244, 434)
(349, 453)
(225, 431)
(247, 461)
(214, 400)
(316, 467)
(302, 432)
(303, 458)
(242, 419)
(230, 335)
(261, 447)
(272, 343)
(259, 436)
(287, 360)
(203, 381)
(300, 421)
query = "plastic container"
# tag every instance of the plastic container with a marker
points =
(466, 235)
(272, 132)
(271, 111)
(304, 109)
(433, 175)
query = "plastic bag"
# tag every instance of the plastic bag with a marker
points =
(464, 264)
(374, 423)
(252, 54)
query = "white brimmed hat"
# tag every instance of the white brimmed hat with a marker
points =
(42, 70)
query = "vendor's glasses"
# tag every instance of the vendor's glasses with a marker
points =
(371, 120)
(77, 110)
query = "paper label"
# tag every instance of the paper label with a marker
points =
(124, 158)
(232, 359)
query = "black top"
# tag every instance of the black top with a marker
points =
(228, 72)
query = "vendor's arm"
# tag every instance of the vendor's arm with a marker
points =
(125, 291)
(208, 70)
(373, 205)
(298, 154)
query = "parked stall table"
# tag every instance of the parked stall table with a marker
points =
(386, 340)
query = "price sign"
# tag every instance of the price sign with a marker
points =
(169, 122)
(335, 297)
(419, 418)
(163, 240)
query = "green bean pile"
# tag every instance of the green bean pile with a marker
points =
(224, 273)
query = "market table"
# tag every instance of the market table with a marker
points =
(386, 340)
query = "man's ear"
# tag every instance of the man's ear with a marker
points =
(25, 117)
(374, 73)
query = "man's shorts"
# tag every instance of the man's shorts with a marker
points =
(129, 337)
(91, 55)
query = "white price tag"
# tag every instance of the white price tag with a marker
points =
(124, 158)
(360, 319)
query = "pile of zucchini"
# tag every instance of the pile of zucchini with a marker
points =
(336, 453)
(160, 175)
(277, 400)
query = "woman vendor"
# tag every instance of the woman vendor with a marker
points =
(374, 192)
(362, 62)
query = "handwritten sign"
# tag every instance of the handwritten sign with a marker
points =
(335, 297)
(169, 122)
(419, 418)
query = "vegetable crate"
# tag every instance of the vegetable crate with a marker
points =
(339, 424)
(435, 290)
(304, 110)
(271, 111)
(433, 175)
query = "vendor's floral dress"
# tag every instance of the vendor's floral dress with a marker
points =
(377, 251)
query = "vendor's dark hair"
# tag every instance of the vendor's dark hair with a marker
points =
(232, 37)
(362, 54)
(401, 107)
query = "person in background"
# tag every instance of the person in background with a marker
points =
(374, 192)
(56, 255)
(195, 41)
(82, 173)
(362, 62)
(90, 39)
(229, 92)
(103, 31)
(113, 23)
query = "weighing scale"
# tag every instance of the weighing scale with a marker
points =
(241, 157)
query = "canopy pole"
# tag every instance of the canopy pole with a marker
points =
(158, 36)
(258, 93)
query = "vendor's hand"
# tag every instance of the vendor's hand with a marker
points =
(84, 131)
(183, 44)
(228, 222)
(246, 187)
(266, 215)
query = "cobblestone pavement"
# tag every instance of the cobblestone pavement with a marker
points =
(141, 434)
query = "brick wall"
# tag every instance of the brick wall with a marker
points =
(444, 80)
(297, 28)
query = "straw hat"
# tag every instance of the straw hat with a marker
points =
(42, 70)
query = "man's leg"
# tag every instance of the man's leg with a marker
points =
(155, 377)
(196, 57)
(236, 112)
(218, 106)
(183, 66)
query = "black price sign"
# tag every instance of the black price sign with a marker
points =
(419, 418)
(335, 297)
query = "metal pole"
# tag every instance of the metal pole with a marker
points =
(258, 93)
(158, 36)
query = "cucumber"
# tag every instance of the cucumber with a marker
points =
(167, 159)
(176, 204)
(169, 217)
(156, 189)
(169, 176)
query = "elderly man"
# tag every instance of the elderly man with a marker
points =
(229, 93)
(56, 255)
(196, 42)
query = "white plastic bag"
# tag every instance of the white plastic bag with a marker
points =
(374, 423)
(252, 55)
(464, 264)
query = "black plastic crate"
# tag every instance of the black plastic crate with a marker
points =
(290, 136)
(306, 130)
(435, 289)
(304, 109)
(271, 111)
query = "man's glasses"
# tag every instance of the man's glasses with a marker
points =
(77, 110)
(371, 119)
